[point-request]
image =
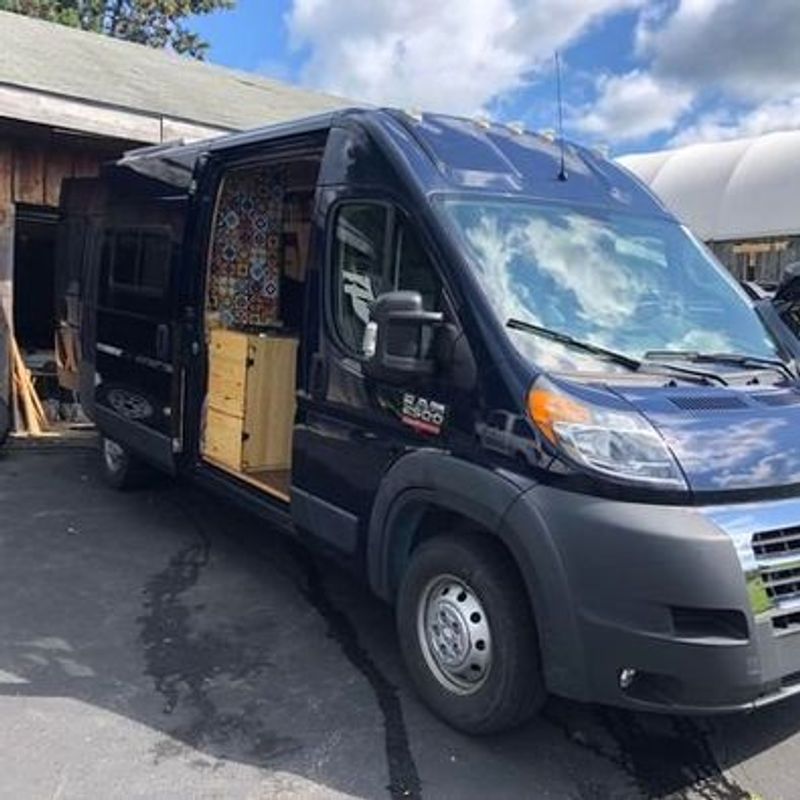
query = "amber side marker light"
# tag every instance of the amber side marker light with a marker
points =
(547, 407)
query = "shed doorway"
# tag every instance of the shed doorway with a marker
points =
(34, 280)
(34, 313)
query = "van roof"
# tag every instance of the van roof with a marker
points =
(459, 154)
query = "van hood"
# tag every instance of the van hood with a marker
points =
(728, 438)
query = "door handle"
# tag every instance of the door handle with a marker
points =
(163, 343)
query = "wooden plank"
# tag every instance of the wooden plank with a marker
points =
(87, 165)
(226, 387)
(6, 264)
(29, 176)
(227, 371)
(270, 403)
(274, 482)
(59, 112)
(35, 421)
(228, 344)
(5, 358)
(58, 166)
(222, 439)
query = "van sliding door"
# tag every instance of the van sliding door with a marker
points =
(139, 376)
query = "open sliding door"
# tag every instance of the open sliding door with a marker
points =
(139, 374)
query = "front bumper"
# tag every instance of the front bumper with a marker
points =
(675, 594)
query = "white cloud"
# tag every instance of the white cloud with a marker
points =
(633, 106)
(746, 49)
(718, 125)
(707, 69)
(741, 57)
(448, 55)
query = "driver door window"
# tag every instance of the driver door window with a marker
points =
(376, 251)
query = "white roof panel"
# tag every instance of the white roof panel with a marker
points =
(740, 189)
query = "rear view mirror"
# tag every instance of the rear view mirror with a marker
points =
(402, 334)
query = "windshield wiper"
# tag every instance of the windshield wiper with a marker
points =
(620, 358)
(564, 338)
(735, 359)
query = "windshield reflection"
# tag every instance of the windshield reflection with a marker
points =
(626, 283)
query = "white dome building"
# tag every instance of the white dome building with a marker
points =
(742, 197)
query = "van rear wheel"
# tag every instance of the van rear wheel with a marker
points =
(468, 635)
(121, 470)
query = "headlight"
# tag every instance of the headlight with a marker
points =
(622, 444)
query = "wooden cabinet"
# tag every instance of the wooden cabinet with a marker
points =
(251, 401)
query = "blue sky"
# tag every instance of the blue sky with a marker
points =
(637, 75)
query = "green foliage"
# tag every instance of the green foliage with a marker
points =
(158, 23)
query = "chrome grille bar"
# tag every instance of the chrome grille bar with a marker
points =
(767, 541)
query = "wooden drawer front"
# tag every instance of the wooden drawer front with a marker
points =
(223, 438)
(227, 381)
(229, 344)
(227, 373)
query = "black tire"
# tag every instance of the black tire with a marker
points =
(121, 470)
(511, 690)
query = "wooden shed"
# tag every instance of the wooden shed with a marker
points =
(70, 101)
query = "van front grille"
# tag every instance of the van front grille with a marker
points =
(782, 583)
(781, 542)
(777, 555)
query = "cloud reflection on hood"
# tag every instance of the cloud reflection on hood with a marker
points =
(739, 452)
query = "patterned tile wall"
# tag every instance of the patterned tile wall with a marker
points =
(245, 268)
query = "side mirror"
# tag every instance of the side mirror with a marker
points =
(788, 290)
(401, 337)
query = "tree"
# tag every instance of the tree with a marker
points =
(158, 23)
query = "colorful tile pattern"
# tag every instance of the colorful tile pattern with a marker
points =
(244, 275)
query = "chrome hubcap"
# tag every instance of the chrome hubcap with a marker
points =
(114, 455)
(454, 634)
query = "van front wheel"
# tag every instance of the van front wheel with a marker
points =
(468, 635)
(121, 470)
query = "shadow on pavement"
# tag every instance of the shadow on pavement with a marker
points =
(231, 644)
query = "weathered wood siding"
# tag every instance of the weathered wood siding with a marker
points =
(30, 173)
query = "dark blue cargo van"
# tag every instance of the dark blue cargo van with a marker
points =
(524, 402)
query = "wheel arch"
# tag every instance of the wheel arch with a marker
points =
(428, 483)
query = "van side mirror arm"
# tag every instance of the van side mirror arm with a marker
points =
(454, 354)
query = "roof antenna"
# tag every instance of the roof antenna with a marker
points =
(562, 172)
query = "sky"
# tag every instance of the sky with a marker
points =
(637, 75)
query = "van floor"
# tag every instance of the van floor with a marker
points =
(274, 481)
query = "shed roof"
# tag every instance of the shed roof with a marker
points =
(67, 63)
(739, 189)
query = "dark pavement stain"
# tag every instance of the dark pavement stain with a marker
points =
(185, 664)
(404, 780)
(182, 664)
(667, 757)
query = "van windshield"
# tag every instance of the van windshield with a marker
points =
(630, 284)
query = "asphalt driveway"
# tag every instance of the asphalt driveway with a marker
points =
(161, 644)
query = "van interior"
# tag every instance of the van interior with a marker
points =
(253, 314)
